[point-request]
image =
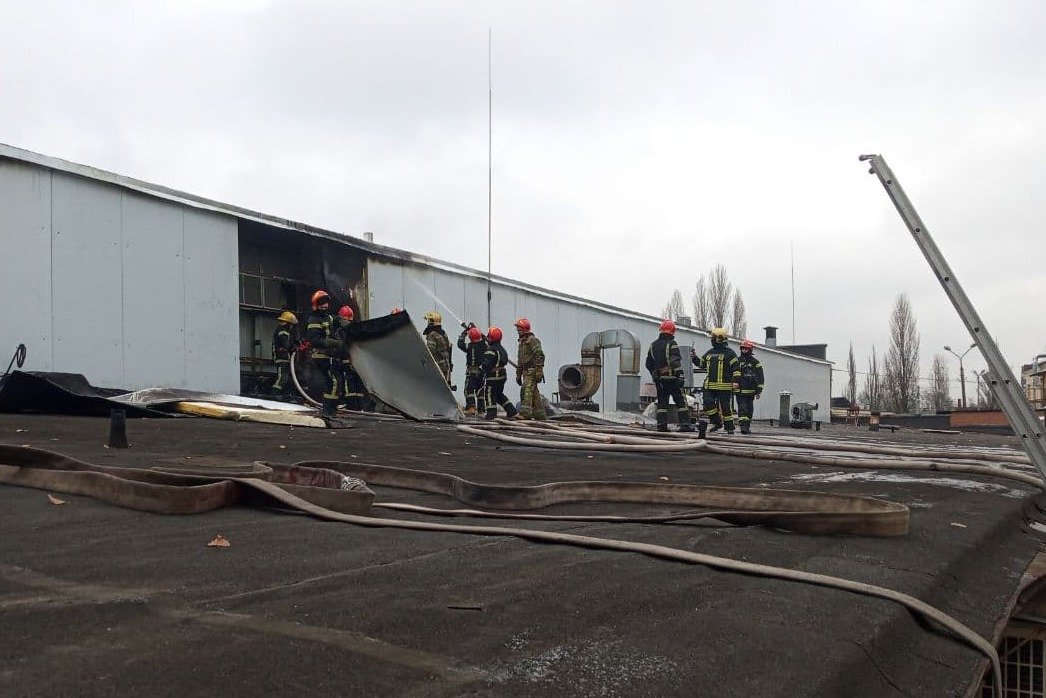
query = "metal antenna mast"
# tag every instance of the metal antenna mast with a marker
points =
(490, 165)
(1015, 405)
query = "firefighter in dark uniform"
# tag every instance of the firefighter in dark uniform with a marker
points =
(438, 343)
(495, 358)
(323, 346)
(475, 401)
(284, 339)
(751, 385)
(722, 372)
(666, 368)
(350, 390)
(530, 371)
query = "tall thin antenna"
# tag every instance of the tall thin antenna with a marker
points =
(490, 164)
(792, 247)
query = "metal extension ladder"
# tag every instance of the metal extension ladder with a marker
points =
(1004, 384)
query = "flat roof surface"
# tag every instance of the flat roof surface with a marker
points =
(97, 600)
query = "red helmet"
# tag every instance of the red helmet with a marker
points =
(320, 298)
(345, 312)
(474, 334)
(747, 344)
(667, 327)
(494, 334)
(523, 324)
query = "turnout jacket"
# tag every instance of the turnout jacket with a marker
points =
(494, 360)
(721, 366)
(282, 343)
(341, 333)
(663, 359)
(473, 353)
(439, 346)
(531, 357)
(320, 333)
(751, 374)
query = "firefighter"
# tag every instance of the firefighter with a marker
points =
(751, 385)
(438, 343)
(530, 370)
(350, 390)
(722, 372)
(284, 340)
(495, 358)
(324, 345)
(666, 368)
(474, 350)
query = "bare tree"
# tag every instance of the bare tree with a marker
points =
(872, 395)
(719, 288)
(738, 320)
(675, 308)
(901, 367)
(939, 395)
(702, 306)
(851, 370)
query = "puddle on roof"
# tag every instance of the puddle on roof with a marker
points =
(900, 478)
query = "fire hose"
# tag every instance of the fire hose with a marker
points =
(17, 358)
(313, 488)
(616, 439)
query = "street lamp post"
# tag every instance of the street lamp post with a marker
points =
(962, 374)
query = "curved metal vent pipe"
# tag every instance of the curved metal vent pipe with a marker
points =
(581, 381)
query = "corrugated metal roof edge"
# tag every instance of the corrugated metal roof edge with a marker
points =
(11, 152)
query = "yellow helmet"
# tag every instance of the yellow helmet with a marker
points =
(718, 334)
(288, 316)
(434, 318)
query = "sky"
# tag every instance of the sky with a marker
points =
(635, 144)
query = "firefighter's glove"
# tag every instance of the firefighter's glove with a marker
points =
(758, 395)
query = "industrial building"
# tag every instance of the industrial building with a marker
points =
(137, 285)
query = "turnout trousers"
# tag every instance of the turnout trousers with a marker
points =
(531, 405)
(474, 392)
(495, 395)
(352, 391)
(671, 388)
(745, 409)
(282, 384)
(718, 410)
(329, 371)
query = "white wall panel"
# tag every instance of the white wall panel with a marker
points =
(212, 337)
(25, 269)
(153, 292)
(87, 279)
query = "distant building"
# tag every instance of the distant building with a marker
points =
(1033, 380)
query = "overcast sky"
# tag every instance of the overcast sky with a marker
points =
(636, 144)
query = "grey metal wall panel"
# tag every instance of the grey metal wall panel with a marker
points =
(153, 293)
(212, 338)
(562, 325)
(25, 269)
(86, 279)
(384, 287)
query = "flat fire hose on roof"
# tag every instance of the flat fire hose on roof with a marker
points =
(320, 489)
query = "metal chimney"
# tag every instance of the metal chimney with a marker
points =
(368, 236)
(771, 336)
(684, 321)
